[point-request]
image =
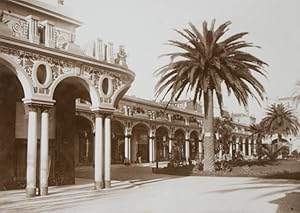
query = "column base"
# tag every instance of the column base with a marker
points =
(30, 192)
(126, 161)
(107, 184)
(99, 185)
(44, 191)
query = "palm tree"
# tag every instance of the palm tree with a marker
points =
(280, 120)
(202, 65)
(258, 131)
(296, 97)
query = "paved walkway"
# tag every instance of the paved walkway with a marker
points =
(151, 193)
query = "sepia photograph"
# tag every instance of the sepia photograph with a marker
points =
(139, 106)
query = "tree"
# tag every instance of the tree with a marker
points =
(258, 131)
(205, 63)
(296, 97)
(223, 128)
(280, 120)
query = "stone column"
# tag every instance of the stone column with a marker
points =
(99, 184)
(107, 154)
(126, 151)
(230, 148)
(254, 147)
(49, 40)
(31, 152)
(187, 146)
(154, 156)
(200, 149)
(249, 148)
(220, 151)
(33, 29)
(110, 53)
(237, 145)
(244, 147)
(170, 143)
(44, 150)
(99, 50)
(129, 148)
(151, 149)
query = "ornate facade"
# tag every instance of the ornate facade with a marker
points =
(61, 105)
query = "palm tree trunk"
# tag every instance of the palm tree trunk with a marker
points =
(209, 152)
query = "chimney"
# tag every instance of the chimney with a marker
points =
(61, 2)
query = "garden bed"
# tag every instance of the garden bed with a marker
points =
(283, 169)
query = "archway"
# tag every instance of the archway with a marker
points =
(66, 132)
(84, 142)
(179, 144)
(140, 142)
(13, 130)
(194, 145)
(117, 142)
(162, 143)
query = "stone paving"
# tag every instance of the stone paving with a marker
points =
(151, 193)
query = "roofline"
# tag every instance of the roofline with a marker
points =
(161, 105)
(57, 14)
(64, 54)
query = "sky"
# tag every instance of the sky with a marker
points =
(144, 27)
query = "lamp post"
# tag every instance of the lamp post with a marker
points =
(156, 153)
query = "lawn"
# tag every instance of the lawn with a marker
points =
(285, 169)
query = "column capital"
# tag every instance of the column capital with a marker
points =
(102, 114)
(31, 108)
(31, 17)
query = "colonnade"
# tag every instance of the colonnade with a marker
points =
(241, 147)
(102, 150)
(31, 169)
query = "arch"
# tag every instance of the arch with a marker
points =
(117, 141)
(20, 73)
(94, 95)
(161, 128)
(118, 123)
(179, 129)
(116, 97)
(140, 141)
(164, 126)
(83, 141)
(143, 124)
(162, 143)
(195, 132)
(83, 115)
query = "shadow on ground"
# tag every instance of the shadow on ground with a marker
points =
(290, 203)
(287, 190)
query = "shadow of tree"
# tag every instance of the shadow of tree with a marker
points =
(290, 203)
(254, 163)
(284, 175)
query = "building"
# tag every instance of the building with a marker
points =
(63, 106)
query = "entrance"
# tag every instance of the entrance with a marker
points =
(140, 143)
(162, 141)
(71, 133)
(13, 132)
(117, 142)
